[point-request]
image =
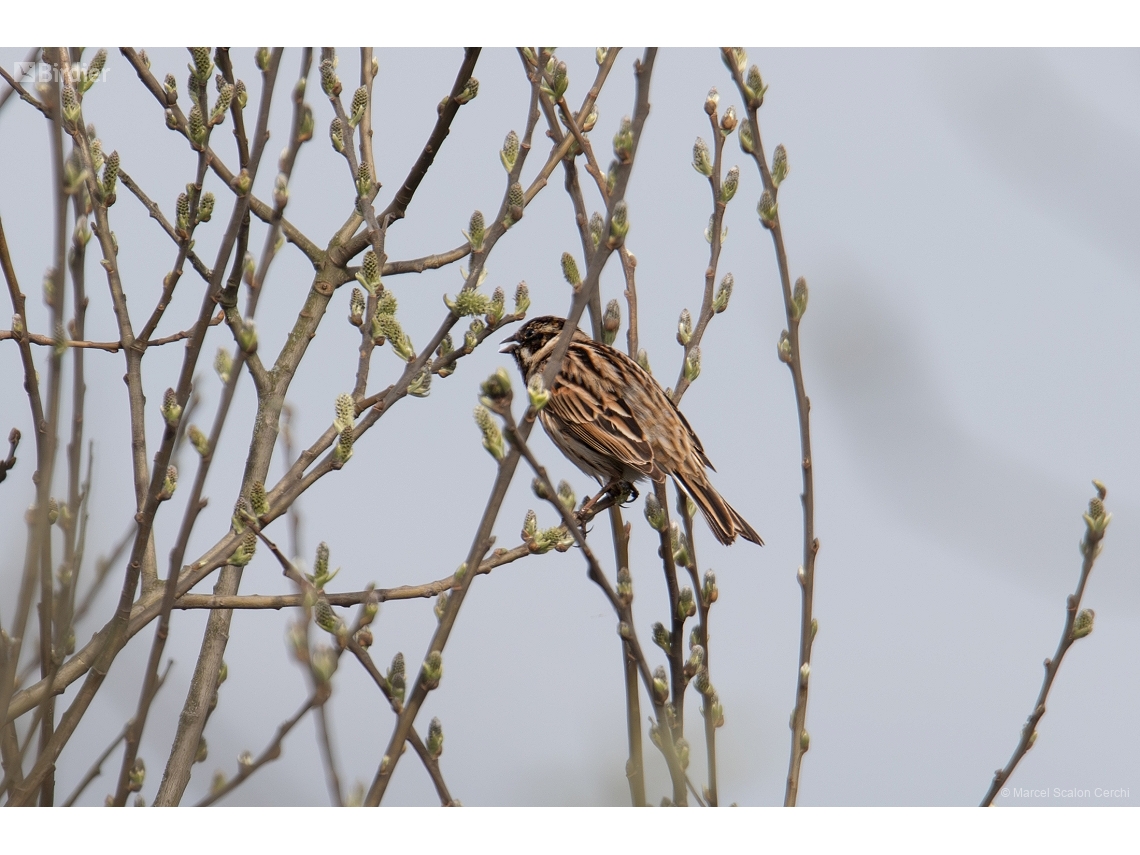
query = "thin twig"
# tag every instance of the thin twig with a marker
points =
(1078, 624)
(806, 574)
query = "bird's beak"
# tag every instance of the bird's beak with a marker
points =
(509, 345)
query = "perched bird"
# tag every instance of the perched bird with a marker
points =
(614, 422)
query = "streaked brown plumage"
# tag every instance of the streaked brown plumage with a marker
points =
(614, 422)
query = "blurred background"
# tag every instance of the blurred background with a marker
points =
(967, 222)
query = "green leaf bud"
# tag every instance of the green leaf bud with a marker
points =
(222, 105)
(662, 637)
(420, 385)
(356, 308)
(799, 298)
(468, 302)
(692, 367)
(509, 153)
(784, 348)
(169, 484)
(516, 202)
(440, 607)
(723, 294)
(476, 231)
(570, 270)
(336, 134)
(766, 208)
(686, 605)
(363, 180)
(619, 224)
(197, 126)
(247, 337)
(246, 548)
(359, 103)
(597, 226)
(654, 513)
(702, 162)
(171, 410)
(755, 88)
(330, 83)
(684, 327)
(432, 670)
(470, 91)
(709, 590)
(728, 121)
(496, 390)
(624, 586)
(258, 499)
(435, 739)
(779, 165)
(537, 393)
(203, 67)
(206, 207)
(735, 59)
(182, 214)
(1083, 624)
(530, 525)
(611, 322)
(660, 683)
(223, 364)
(643, 360)
(566, 496)
(747, 143)
(198, 440)
(496, 310)
(522, 299)
(623, 141)
(492, 436)
(731, 182)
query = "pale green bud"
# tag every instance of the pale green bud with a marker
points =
(747, 144)
(476, 232)
(600, 54)
(356, 307)
(261, 58)
(496, 390)
(496, 310)
(662, 637)
(182, 213)
(623, 141)
(363, 180)
(597, 226)
(570, 270)
(223, 364)
(440, 607)
(246, 548)
(522, 299)
(509, 153)
(537, 392)
(709, 591)
(468, 302)
(686, 605)
(766, 208)
(530, 525)
(206, 207)
(619, 224)
(492, 436)
(684, 327)
(110, 176)
(359, 103)
(516, 201)
(702, 162)
(258, 500)
(654, 513)
(643, 360)
(755, 88)
(329, 81)
(420, 387)
(198, 440)
(197, 126)
(723, 294)
(432, 670)
(779, 165)
(611, 322)
(202, 67)
(692, 367)
(324, 663)
(171, 411)
(735, 58)
(336, 134)
(731, 182)
(624, 586)
(799, 298)
(660, 683)
(435, 739)
(169, 484)
(566, 495)
(222, 105)
(343, 450)
(728, 121)
(784, 347)
(470, 90)
(1083, 624)
(170, 85)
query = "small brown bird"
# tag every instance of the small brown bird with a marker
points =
(615, 423)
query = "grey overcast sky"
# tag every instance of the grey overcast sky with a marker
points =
(967, 222)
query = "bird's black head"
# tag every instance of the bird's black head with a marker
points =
(530, 346)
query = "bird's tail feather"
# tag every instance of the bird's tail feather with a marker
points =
(722, 518)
